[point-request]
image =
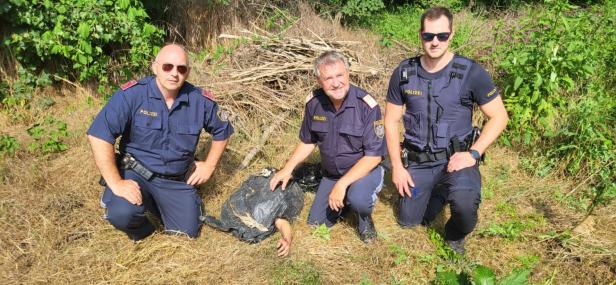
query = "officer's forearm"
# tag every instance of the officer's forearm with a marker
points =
(393, 144)
(491, 130)
(497, 121)
(216, 150)
(301, 152)
(104, 157)
(393, 114)
(361, 168)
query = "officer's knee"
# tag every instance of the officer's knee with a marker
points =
(359, 203)
(465, 203)
(192, 232)
(125, 217)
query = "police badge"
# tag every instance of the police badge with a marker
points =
(379, 129)
(224, 115)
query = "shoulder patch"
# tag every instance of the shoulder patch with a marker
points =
(309, 97)
(370, 100)
(128, 84)
(208, 94)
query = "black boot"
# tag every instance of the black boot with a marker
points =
(368, 236)
(457, 246)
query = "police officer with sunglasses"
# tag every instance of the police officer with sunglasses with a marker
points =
(159, 119)
(434, 94)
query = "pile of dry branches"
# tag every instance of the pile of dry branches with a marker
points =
(270, 78)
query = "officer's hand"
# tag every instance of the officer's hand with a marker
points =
(336, 197)
(403, 181)
(284, 247)
(460, 160)
(127, 189)
(202, 173)
(281, 176)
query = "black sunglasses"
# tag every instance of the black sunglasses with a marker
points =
(428, 37)
(182, 69)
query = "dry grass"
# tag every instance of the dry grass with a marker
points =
(53, 231)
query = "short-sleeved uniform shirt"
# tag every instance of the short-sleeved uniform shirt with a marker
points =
(163, 139)
(346, 135)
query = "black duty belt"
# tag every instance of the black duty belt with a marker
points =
(127, 161)
(420, 157)
(426, 156)
(181, 178)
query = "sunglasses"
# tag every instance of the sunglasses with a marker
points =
(182, 69)
(428, 37)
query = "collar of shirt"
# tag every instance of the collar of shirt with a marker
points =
(349, 101)
(156, 94)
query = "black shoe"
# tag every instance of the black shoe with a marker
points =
(457, 246)
(368, 236)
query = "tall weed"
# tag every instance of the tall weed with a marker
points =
(558, 92)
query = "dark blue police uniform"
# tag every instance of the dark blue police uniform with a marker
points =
(164, 140)
(343, 137)
(438, 122)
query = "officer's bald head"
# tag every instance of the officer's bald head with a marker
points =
(174, 49)
(171, 68)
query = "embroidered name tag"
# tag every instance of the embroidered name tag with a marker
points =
(148, 113)
(412, 92)
(319, 118)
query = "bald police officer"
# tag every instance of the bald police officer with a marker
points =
(159, 119)
(345, 122)
(438, 90)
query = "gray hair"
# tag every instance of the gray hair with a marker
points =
(330, 57)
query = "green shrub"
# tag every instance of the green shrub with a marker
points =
(48, 135)
(559, 91)
(81, 39)
(8, 145)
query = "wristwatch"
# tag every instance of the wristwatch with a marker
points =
(475, 154)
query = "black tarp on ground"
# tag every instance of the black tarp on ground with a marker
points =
(251, 211)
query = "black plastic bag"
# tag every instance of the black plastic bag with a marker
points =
(250, 212)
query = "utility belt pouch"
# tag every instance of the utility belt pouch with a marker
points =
(127, 161)
(404, 155)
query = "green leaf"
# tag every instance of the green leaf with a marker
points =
(83, 30)
(447, 278)
(516, 277)
(484, 276)
(517, 83)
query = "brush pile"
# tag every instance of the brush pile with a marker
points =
(270, 78)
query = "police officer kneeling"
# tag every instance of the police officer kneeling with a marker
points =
(160, 119)
(345, 122)
(438, 90)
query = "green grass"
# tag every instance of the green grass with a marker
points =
(296, 272)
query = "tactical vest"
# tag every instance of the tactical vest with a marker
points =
(437, 110)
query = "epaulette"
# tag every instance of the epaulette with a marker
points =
(128, 84)
(370, 101)
(309, 97)
(208, 94)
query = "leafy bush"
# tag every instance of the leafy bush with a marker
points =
(354, 10)
(48, 136)
(81, 39)
(559, 91)
(8, 145)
